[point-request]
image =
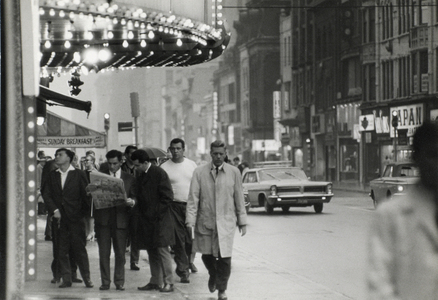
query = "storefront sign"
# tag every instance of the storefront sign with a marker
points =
(71, 141)
(410, 117)
(277, 105)
(381, 122)
(366, 123)
(265, 145)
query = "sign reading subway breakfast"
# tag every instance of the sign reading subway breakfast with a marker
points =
(71, 141)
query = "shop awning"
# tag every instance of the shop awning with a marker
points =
(64, 100)
(58, 132)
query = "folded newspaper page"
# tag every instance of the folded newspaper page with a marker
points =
(106, 191)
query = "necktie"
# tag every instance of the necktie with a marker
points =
(114, 174)
(217, 170)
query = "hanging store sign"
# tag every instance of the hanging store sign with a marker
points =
(409, 117)
(366, 123)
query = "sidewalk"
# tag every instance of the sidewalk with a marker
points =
(251, 278)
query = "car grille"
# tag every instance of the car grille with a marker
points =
(315, 189)
(289, 189)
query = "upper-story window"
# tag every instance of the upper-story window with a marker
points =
(387, 21)
(369, 25)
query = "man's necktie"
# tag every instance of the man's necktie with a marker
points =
(217, 170)
(114, 174)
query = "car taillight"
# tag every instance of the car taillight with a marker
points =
(273, 190)
(329, 189)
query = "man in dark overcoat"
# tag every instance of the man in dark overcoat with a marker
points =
(112, 226)
(156, 229)
(66, 198)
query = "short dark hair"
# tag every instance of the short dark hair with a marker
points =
(178, 140)
(424, 136)
(129, 148)
(90, 152)
(217, 144)
(41, 154)
(69, 153)
(140, 155)
(114, 153)
(236, 158)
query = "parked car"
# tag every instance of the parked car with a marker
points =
(284, 187)
(396, 179)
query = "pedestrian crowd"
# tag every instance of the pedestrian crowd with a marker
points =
(175, 207)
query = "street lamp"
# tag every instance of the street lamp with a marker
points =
(106, 123)
(395, 125)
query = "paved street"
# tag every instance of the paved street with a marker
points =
(296, 255)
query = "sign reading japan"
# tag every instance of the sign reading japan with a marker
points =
(409, 117)
(71, 141)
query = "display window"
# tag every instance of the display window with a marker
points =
(349, 159)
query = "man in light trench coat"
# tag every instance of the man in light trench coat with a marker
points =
(215, 208)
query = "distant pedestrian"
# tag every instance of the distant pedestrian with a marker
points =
(236, 161)
(214, 208)
(403, 242)
(156, 229)
(180, 170)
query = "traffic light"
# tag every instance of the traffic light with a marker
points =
(106, 118)
(347, 24)
(394, 119)
(75, 82)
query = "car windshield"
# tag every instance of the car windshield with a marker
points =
(282, 174)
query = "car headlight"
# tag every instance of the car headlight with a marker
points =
(329, 189)
(273, 190)
(400, 188)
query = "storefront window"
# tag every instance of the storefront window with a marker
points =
(349, 161)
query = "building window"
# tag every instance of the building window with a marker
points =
(369, 82)
(231, 93)
(369, 25)
(352, 84)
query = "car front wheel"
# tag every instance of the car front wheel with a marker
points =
(318, 207)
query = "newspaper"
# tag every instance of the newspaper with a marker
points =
(106, 191)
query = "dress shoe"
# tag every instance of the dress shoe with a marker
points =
(193, 268)
(134, 267)
(54, 280)
(149, 287)
(212, 284)
(167, 288)
(65, 285)
(76, 280)
(104, 287)
(120, 287)
(185, 279)
(88, 283)
(222, 296)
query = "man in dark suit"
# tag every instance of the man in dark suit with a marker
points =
(112, 226)
(52, 230)
(156, 228)
(66, 198)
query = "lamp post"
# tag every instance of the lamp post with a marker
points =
(106, 117)
(395, 125)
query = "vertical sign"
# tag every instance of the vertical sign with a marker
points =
(215, 113)
(278, 128)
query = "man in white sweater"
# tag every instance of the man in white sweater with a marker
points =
(180, 171)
